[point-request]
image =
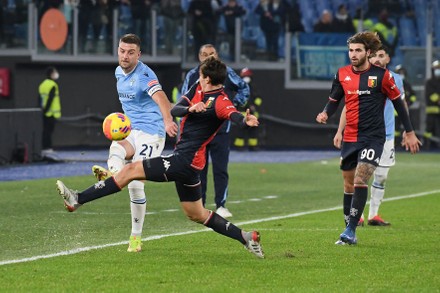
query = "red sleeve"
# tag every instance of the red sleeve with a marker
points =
(224, 107)
(389, 87)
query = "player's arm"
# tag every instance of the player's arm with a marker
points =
(337, 139)
(389, 87)
(184, 106)
(335, 97)
(242, 88)
(243, 121)
(226, 110)
(164, 104)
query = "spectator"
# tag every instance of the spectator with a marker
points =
(125, 17)
(343, 22)
(387, 31)
(141, 13)
(432, 92)
(87, 13)
(231, 11)
(325, 23)
(272, 18)
(247, 136)
(360, 23)
(203, 27)
(410, 94)
(172, 13)
(50, 105)
(294, 18)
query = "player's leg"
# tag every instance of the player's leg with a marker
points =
(363, 173)
(377, 195)
(368, 158)
(119, 152)
(348, 193)
(204, 175)
(387, 160)
(74, 199)
(192, 206)
(220, 159)
(146, 146)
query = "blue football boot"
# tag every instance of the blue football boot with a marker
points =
(348, 236)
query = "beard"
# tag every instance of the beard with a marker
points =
(359, 62)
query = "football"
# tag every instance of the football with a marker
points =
(116, 126)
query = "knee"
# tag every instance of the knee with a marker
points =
(195, 217)
(348, 187)
(136, 191)
(379, 180)
(359, 181)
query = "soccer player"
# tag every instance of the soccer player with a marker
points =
(218, 149)
(380, 58)
(148, 108)
(204, 109)
(365, 88)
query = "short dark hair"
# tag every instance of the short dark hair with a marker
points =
(49, 71)
(131, 39)
(214, 69)
(370, 40)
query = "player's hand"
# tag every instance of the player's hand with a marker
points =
(402, 143)
(171, 128)
(322, 118)
(337, 140)
(411, 142)
(251, 120)
(197, 108)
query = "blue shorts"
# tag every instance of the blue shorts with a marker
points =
(175, 168)
(354, 152)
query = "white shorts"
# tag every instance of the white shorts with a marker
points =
(145, 145)
(388, 157)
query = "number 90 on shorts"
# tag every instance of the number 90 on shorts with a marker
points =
(371, 154)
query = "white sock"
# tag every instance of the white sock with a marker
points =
(377, 190)
(377, 194)
(138, 206)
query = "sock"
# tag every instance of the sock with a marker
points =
(347, 205)
(138, 206)
(98, 190)
(377, 194)
(137, 217)
(357, 205)
(222, 226)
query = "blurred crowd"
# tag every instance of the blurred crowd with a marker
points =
(263, 22)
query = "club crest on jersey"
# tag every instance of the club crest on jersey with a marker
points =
(372, 81)
(208, 103)
(132, 82)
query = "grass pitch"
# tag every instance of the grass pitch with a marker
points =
(296, 207)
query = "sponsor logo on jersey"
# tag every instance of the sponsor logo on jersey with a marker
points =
(358, 92)
(347, 78)
(126, 96)
(372, 81)
(208, 103)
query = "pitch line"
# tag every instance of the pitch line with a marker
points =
(155, 237)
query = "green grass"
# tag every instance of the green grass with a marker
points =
(300, 250)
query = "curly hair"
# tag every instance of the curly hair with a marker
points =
(214, 69)
(370, 40)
